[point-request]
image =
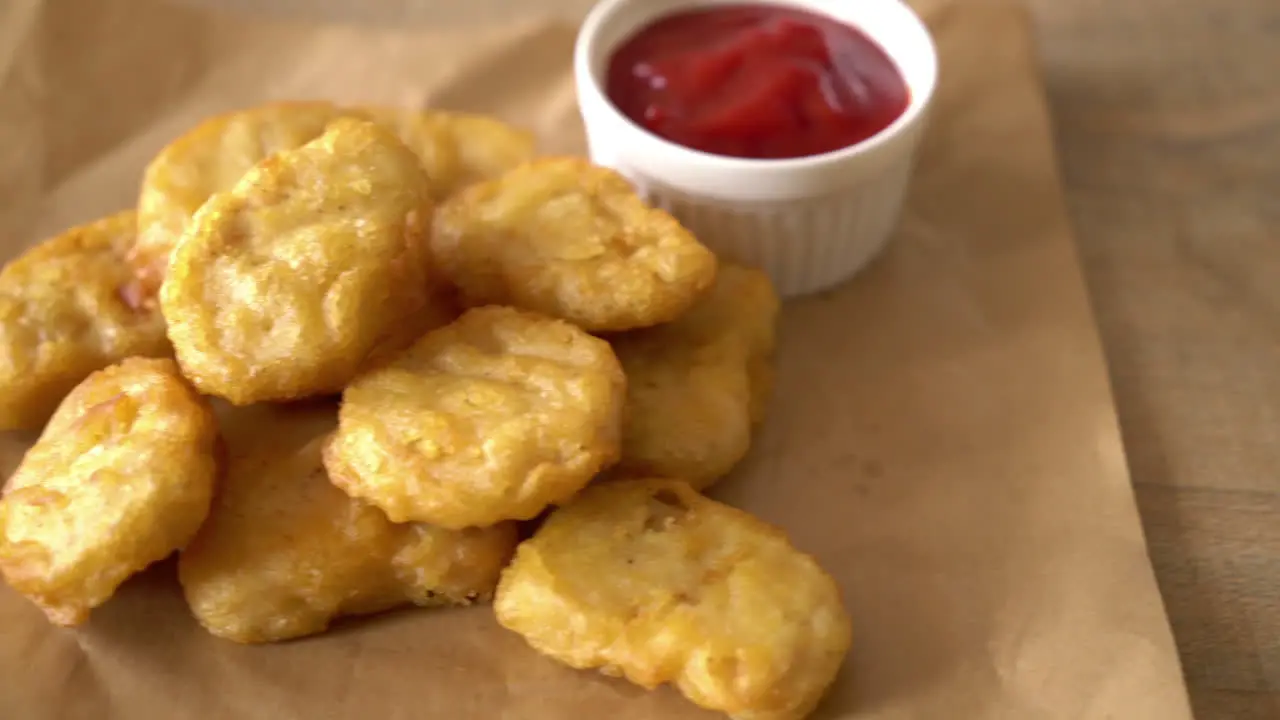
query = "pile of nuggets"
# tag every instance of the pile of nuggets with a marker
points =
(464, 344)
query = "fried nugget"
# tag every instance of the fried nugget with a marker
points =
(208, 159)
(311, 268)
(651, 581)
(696, 387)
(688, 411)
(121, 477)
(491, 418)
(284, 552)
(457, 149)
(742, 307)
(571, 240)
(64, 313)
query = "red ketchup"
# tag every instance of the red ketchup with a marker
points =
(756, 81)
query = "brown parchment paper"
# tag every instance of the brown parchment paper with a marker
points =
(942, 437)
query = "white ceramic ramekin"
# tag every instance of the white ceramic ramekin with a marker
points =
(810, 222)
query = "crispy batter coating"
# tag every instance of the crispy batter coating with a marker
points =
(121, 477)
(208, 159)
(653, 582)
(571, 240)
(284, 552)
(64, 313)
(491, 418)
(742, 308)
(311, 268)
(688, 411)
(457, 149)
(697, 386)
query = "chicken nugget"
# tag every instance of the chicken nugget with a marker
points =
(211, 158)
(696, 387)
(688, 411)
(311, 268)
(494, 417)
(64, 313)
(653, 582)
(457, 149)
(120, 478)
(284, 553)
(741, 307)
(571, 240)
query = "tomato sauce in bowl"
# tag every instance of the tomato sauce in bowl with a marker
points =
(756, 81)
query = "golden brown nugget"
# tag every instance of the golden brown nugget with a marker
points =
(653, 582)
(284, 553)
(64, 313)
(208, 159)
(571, 240)
(696, 387)
(310, 269)
(741, 307)
(120, 478)
(494, 417)
(457, 149)
(688, 411)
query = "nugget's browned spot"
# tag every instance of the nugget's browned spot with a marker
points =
(69, 306)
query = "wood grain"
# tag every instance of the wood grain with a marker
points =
(1167, 115)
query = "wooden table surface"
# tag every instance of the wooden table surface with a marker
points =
(1167, 115)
